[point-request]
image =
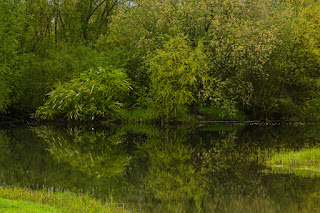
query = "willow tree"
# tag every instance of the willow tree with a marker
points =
(176, 71)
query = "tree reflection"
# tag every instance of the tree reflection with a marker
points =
(96, 153)
(182, 168)
(152, 168)
(23, 160)
(100, 155)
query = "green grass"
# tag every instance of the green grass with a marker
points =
(303, 161)
(219, 114)
(295, 171)
(142, 115)
(25, 200)
(7, 206)
(137, 115)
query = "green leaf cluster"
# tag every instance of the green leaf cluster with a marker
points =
(94, 94)
(176, 71)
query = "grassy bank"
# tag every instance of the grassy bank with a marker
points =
(7, 206)
(25, 200)
(220, 114)
(142, 115)
(137, 115)
(302, 162)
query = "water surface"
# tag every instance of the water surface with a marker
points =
(187, 168)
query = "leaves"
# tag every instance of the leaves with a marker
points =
(175, 72)
(94, 94)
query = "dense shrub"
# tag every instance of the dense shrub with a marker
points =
(94, 94)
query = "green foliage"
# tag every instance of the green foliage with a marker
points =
(313, 109)
(298, 82)
(11, 30)
(261, 55)
(147, 22)
(45, 42)
(257, 57)
(257, 50)
(72, 22)
(42, 73)
(94, 94)
(176, 72)
(240, 44)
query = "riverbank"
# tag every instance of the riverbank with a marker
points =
(142, 115)
(305, 162)
(16, 199)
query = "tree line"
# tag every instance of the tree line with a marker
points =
(94, 59)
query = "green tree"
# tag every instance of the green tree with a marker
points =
(259, 50)
(176, 73)
(147, 21)
(62, 64)
(58, 38)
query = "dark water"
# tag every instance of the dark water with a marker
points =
(214, 168)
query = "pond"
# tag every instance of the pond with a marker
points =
(186, 168)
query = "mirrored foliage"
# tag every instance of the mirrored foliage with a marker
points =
(186, 168)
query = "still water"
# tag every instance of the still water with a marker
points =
(210, 168)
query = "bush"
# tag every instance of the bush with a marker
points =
(93, 95)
